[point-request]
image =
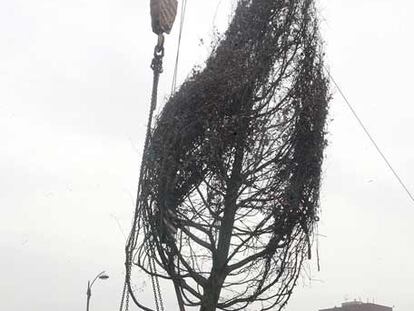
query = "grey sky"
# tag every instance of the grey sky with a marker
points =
(74, 91)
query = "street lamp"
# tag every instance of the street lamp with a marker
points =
(100, 276)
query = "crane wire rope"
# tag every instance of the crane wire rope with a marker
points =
(371, 138)
(177, 57)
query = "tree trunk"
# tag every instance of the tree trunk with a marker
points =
(212, 292)
(218, 272)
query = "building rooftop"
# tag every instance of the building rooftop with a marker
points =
(358, 306)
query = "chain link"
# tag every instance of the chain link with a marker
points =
(156, 66)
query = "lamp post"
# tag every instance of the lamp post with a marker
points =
(100, 276)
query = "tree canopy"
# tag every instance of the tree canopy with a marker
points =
(230, 193)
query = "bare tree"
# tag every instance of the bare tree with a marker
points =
(230, 188)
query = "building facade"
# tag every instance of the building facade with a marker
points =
(359, 306)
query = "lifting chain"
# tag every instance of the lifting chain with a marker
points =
(156, 66)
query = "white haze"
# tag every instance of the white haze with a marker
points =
(74, 92)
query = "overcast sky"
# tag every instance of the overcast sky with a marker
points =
(74, 92)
